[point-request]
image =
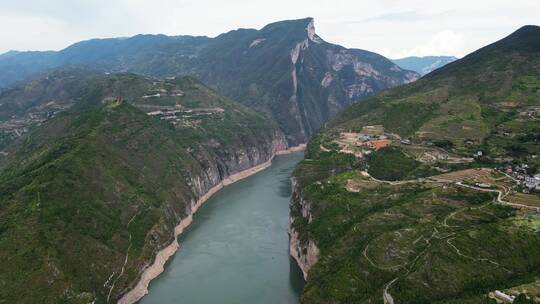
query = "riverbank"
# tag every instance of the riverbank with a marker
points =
(299, 148)
(305, 254)
(154, 270)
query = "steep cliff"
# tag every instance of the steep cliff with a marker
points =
(284, 69)
(303, 249)
(104, 187)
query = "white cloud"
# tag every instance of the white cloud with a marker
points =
(31, 32)
(442, 43)
(392, 27)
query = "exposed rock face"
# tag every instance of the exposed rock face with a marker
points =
(311, 32)
(135, 182)
(301, 248)
(217, 170)
(259, 68)
(326, 78)
(256, 42)
(218, 174)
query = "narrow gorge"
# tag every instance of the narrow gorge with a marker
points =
(236, 248)
(241, 166)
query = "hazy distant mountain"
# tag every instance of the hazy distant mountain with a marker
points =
(284, 69)
(424, 65)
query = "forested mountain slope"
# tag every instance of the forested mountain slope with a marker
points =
(89, 197)
(284, 69)
(424, 193)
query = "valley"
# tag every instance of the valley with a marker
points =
(105, 182)
(284, 69)
(271, 166)
(240, 237)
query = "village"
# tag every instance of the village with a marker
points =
(528, 182)
(150, 103)
(18, 125)
(514, 185)
(371, 138)
(177, 114)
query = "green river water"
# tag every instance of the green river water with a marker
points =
(236, 249)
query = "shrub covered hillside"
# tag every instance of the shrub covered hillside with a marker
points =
(89, 197)
(284, 69)
(487, 100)
(425, 193)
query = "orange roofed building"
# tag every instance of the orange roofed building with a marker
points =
(377, 144)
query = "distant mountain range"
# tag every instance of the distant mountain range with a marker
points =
(424, 65)
(285, 69)
(106, 146)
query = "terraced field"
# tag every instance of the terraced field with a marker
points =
(431, 242)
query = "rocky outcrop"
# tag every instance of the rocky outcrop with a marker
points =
(326, 78)
(250, 66)
(220, 173)
(304, 250)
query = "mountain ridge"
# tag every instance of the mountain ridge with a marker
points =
(254, 67)
(108, 179)
(424, 65)
(421, 185)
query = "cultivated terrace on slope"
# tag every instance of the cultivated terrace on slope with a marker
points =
(88, 198)
(284, 69)
(427, 193)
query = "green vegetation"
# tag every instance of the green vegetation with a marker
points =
(480, 102)
(454, 240)
(319, 165)
(425, 241)
(258, 75)
(104, 180)
(391, 163)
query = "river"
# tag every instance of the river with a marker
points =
(237, 248)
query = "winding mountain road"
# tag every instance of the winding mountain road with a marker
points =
(387, 297)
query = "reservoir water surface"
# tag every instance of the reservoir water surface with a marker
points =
(236, 249)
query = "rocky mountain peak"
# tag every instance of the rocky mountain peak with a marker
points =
(312, 35)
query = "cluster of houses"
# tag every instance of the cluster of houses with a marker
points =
(360, 144)
(158, 93)
(178, 115)
(532, 112)
(17, 126)
(527, 181)
(369, 141)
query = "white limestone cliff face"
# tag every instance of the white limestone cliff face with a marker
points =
(294, 108)
(256, 42)
(304, 251)
(295, 52)
(312, 35)
(305, 254)
(410, 77)
(360, 89)
(342, 58)
(327, 80)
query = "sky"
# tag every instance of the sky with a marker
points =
(393, 28)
